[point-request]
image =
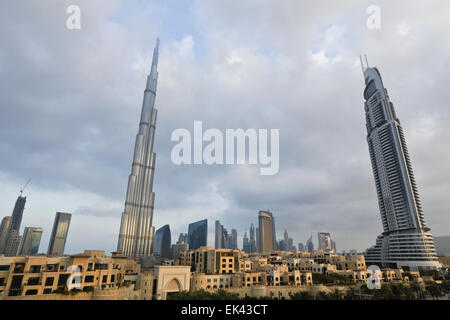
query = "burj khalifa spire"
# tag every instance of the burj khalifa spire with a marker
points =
(136, 230)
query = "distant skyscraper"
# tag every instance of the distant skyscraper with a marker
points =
(333, 245)
(324, 241)
(258, 245)
(252, 239)
(136, 230)
(219, 238)
(198, 234)
(286, 239)
(12, 243)
(59, 234)
(182, 238)
(246, 243)
(18, 213)
(266, 232)
(234, 244)
(162, 242)
(405, 241)
(4, 231)
(31, 241)
(309, 245)
(301, 247)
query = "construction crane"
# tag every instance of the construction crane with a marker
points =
(23, 188)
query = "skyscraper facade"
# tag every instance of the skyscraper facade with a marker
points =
(162, 242)
(219, 239)
(309, 245)
(30, 241)
(324, 241)
(266, 235)
(405, 241)
(4, 231)
(18, 213)
(58, 237)
(136, 230)
(198, 234)
(252, 239)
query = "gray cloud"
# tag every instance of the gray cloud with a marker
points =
(70, 103)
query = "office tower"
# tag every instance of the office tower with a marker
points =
(274, 234)
(30, 241)
(282, 246)
(59, 234)
(219, 239)
(290, 245)
(258, 245)
(136, 230)
(162, 242)
(324, 241)
(182, 238)
(12, 243)
(286, 240)
(266, 235)
(234, 244)
(177, 248)
(301, 247)
(333, 246)
(246, 243)
(198, 234)
(405, 241)
(252, 239)
(4, 231)
(18, 212)
(309, 245)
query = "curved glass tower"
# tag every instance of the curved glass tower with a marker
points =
(136, 230)
(405, 241)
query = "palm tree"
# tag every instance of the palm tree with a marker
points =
(417, 289)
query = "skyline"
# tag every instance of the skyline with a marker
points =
(321, 179)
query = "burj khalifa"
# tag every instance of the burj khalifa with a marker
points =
(136, 230)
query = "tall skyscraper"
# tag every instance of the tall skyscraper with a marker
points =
(18, 213)
(12, 243)
(31, 241)
(405, 241)
(246, 243)
(324, 240)
(59, 234)
(301, 247)
(309, 245)
(234, 241)
(252, 239)
(136, 230)
(162, 243)
(219, 238)
(182, 238)
(198, 234)
(266, 232)
(4, 231)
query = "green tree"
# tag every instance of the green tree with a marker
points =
(301, 295)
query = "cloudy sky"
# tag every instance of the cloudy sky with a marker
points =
(70, 104)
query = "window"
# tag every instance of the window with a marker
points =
(2, 282)
(4, 268)
(35, 269)
(113, 278)
(47, 291)
(49, 281)
(32, 292)
(33, 281)
(89, 279)
(105, 279)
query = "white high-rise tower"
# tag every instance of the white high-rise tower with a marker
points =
(136, 230)
(405, 241)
